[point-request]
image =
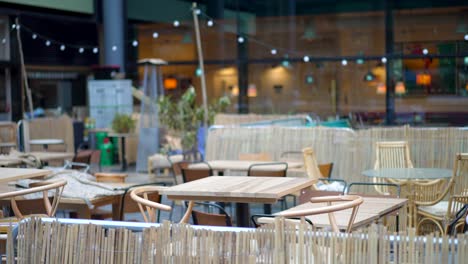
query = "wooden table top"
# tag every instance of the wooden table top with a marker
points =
(48, 156)
(242, 165)
(372, 209)
(14, 174)
(237, 189)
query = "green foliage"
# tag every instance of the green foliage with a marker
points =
(123, 123)
(184, 117)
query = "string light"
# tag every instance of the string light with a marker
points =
(176, 23)
(210, 23)
(34, 36)
(62, 47)
(155, 35)
(47, 43)
(344, 62)
(425, 51)
(240, 39)
(273, 51)
(13, 26)
(95, 50)
(383, 60)
(81, 50)
(114, 48)
(306, 58)
(466, 37)
(197, 11)
(135, 43)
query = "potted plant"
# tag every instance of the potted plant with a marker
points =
(123, 123)
(183, 118)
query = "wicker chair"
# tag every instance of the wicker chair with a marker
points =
(391, 154)
(428, 197)
(44, 187)
(313, 171)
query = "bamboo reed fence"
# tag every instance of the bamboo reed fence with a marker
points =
(55, 242)
(351, 151)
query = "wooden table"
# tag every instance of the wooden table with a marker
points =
(370, 211)
(14, 174)
(239, 189)
(12, 160)
(45, 142)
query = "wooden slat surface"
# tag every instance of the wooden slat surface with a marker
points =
(237, 189)
(14, 174)
(49, 156)
(241, 165)
(370, 210)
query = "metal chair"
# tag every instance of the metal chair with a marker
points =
(209, 218)
(189, 174)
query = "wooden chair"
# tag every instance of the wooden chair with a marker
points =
(313, 171)
(189, 174)
(342, 202)
(391, 154)
(208, 218)
(429, 198)
(326, 169)
(149, 209)
(44, 187)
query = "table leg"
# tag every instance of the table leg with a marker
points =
(242, 214)
(116, 209)
(124, 159)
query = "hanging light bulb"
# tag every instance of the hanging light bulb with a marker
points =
(81, 50)
(155, 35)
(344, 62)
(135, 43)
(273, 51)
(95, 50)
(383, 60)
(400, 88)
(306, 58)
(62, 47)
(240, 39)
(34, 36)
(47, 43)
(176, 23)
(13, 26)
(114, 48)
(210, 23)
(466, 37)
(369, 77)
(197, 11)
(425, 51)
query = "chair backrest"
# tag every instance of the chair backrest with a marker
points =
(261, 156)
(44, 187)
(270, 169)
(344, 202)
(311, 165)
(149, 207)
(208, 218)
(460, 187)
(326, 169)
(189, 174)
(392, 154)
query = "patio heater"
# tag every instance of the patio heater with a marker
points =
(148, 142)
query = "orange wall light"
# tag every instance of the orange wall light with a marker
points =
(170, 83)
